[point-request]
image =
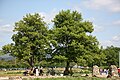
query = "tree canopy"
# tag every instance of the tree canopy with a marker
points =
(1, 52)
(112, 55)
(73, 38)
(30, 39)
(70, 40)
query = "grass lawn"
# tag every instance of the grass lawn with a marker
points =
(11, 73)
(71, 78)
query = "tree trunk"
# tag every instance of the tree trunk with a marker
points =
(68, 64)
(66, 72)
(31, 62)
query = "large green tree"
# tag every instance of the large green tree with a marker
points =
(72, 37)
(30, 40)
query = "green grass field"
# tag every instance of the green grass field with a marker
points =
(71, 78)
(11, 73)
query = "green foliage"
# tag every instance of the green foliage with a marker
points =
(59, 58)
(112, 55)
(1, 52)
(72, 37)
(13, 64)
(69, 40)
(30, 39)
(99, 59)
(7, 48)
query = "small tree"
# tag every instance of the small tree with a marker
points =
(112, 55)
(1, 52)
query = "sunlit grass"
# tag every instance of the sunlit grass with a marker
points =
(11, 73)
(70, 78)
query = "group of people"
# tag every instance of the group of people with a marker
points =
(50, 71)
(33, 71)
(104, 71)
(38, 72)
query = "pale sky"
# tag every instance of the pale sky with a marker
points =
(105, 15)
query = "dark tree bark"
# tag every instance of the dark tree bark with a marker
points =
(67, 71)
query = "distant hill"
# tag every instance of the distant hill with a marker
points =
(6, 57)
